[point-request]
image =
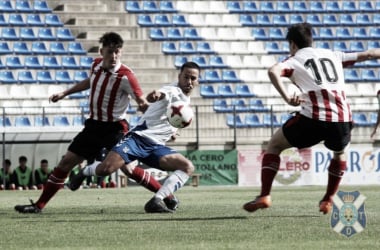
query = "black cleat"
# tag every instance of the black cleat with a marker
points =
(171, 202)
(32, 208)
(156, 205)
(77, 180)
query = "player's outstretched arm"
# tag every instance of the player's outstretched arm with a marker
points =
(83, 85)
(368, 55)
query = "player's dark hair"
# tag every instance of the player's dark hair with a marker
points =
(111, 39)
(301, 34)
(22, 158)
(191, 65)
(44, 161)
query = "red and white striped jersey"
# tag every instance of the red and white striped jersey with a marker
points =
(319, 74)
(111, 91)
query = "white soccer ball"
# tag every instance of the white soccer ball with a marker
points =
(180, 114)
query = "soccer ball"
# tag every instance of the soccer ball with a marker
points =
(180, 114)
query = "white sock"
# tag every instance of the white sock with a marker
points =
(172, 184)
(90, 170)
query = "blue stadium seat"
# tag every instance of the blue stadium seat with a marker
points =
(351, 75)
(230, 76)
(149, 6)
(58, 48)
(22, 121)
(53, 20)
(2, 66)
(60, 121)
(26, 76)
(300, 7)
(257, 105)
(326, 33)
(316, 6)
(221, 106)
(372, 118)
(349, 6)
(85, 62)
(329, 20)
(314, 19)
(201, 61)
(27, 34)
(369, 75)
(6, 6)
(206, 91)
(34, 20)
(5, 122)
(64, 34)
(63, 76)
(343, 33)
(226, 91)
(360, 119)
(259, 34)
(253, 121)
(39, 47)
(3, 22)
(283, 6)
(179, 61)
(41, 6)
(243, 90)
(217, 62)
(51, 62)
(272, 47)
(162, 20)
(276, 33)
(32, 62)
(41, 121)
(346, 19)
(13, 62)
(235, 121)
(363, 19)
(376, 18)
(359, 33)
(169, 48)
(69, 62)
(250, 7)
(280, 20)
(167, 7)
(80, 75)
(373, 44)
(16, 19)
(4, 48)
(133, 7)
(23, 6)
(46, 34)
(263, 20)
(9, 34)
(357, 46)
(174, 34)
(366, 6)
(145, 20)
(374, 32)
(267, 6)
(246, 20)
(179, 20)
(75, 48)
(374, 63)
(44, 77)
(239, 105)
(78, 120)
(212, 76)
(186, 47)
(269, 120)
(21, 48)
(204, 48)
(296, 18)
(191, 34)
(157, 34)
(234, 7)
(332, 6)
(7, 77)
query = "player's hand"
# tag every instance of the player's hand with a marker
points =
(154, 96)
(295, 100)
(373, 133)
(56, 97)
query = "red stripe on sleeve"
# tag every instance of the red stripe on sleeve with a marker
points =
(112, 99)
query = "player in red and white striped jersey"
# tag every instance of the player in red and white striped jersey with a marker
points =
(325, 114)
(111, 85)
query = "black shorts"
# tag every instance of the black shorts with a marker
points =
(97, 135)
(304, 132)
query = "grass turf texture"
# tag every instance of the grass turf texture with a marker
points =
(208, 218)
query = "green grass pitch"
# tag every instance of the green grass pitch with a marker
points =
(208, 218)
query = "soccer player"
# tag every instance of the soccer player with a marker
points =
(325, 114)
(378, 116)
(146, 142)
(111, 85)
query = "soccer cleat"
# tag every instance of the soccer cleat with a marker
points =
(156, 205)
(325, 207)
(77, 180)
(32, 208)
(171, 202)
(258, 203)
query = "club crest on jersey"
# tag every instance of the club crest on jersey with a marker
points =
(348, 216)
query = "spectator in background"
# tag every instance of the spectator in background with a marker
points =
(41, 174)
(23, 176)
(6, 173)
(378, 116)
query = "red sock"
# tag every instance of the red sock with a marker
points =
(143, 178)
(269, 168)
(55, 182)
(336, 170)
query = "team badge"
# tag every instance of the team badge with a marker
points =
(348, 216)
